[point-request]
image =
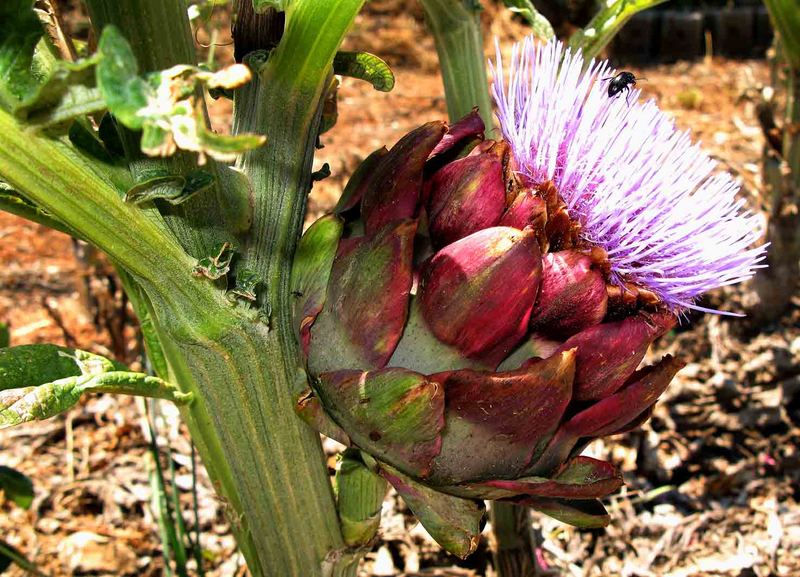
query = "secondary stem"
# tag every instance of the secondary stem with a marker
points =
(456, 28)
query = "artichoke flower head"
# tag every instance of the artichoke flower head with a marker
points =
(474, 312)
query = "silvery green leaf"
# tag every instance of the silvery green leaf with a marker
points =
(118, 80)
(40, 381)
(66, 93)
(365, 66)
(20, 30)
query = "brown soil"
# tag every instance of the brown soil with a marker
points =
(711, 480)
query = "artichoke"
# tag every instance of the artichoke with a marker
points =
(468, 325)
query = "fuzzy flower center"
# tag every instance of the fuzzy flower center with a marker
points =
(640, 189)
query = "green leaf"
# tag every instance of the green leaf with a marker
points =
(540, 26)
(226, 147)
(247, 281)
(261, 6)
(41, 381)
(584, 514)
(117, 73)
(16, 487)
(20, 30)
(167, 187)
(364, 66)
(605, 25)
(5, 335)
(9, 555)
(173, 188)
(217, 265)
(67, 93)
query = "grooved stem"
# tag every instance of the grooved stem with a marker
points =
(456, 28)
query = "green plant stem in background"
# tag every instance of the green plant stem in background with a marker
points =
(605, 25)
(456, 28)
(269, 464)
(785, 16)
(513, 554)
(160, 36)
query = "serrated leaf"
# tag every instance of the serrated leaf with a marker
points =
(40, 381)
(117, 75)
(365, 66)
(217, 265)
(174, 189)
(261, 6)
(16, 487)
(20, 30)
(540, 26)
(67, 93)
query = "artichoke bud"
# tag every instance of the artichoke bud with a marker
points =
(466, 196)
(456, 327)
(573, 294)
(527, 209)
(393, 189)
(477, 293)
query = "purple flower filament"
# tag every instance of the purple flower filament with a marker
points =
(639, 188)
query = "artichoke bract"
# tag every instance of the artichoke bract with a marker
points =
(465, 329)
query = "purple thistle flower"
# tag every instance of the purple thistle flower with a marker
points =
(639, 187)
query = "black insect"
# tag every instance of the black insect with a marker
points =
(621, 82)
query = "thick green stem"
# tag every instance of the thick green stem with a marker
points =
(160, 36)
(241, 364)
(456, 28)
(53, 176)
